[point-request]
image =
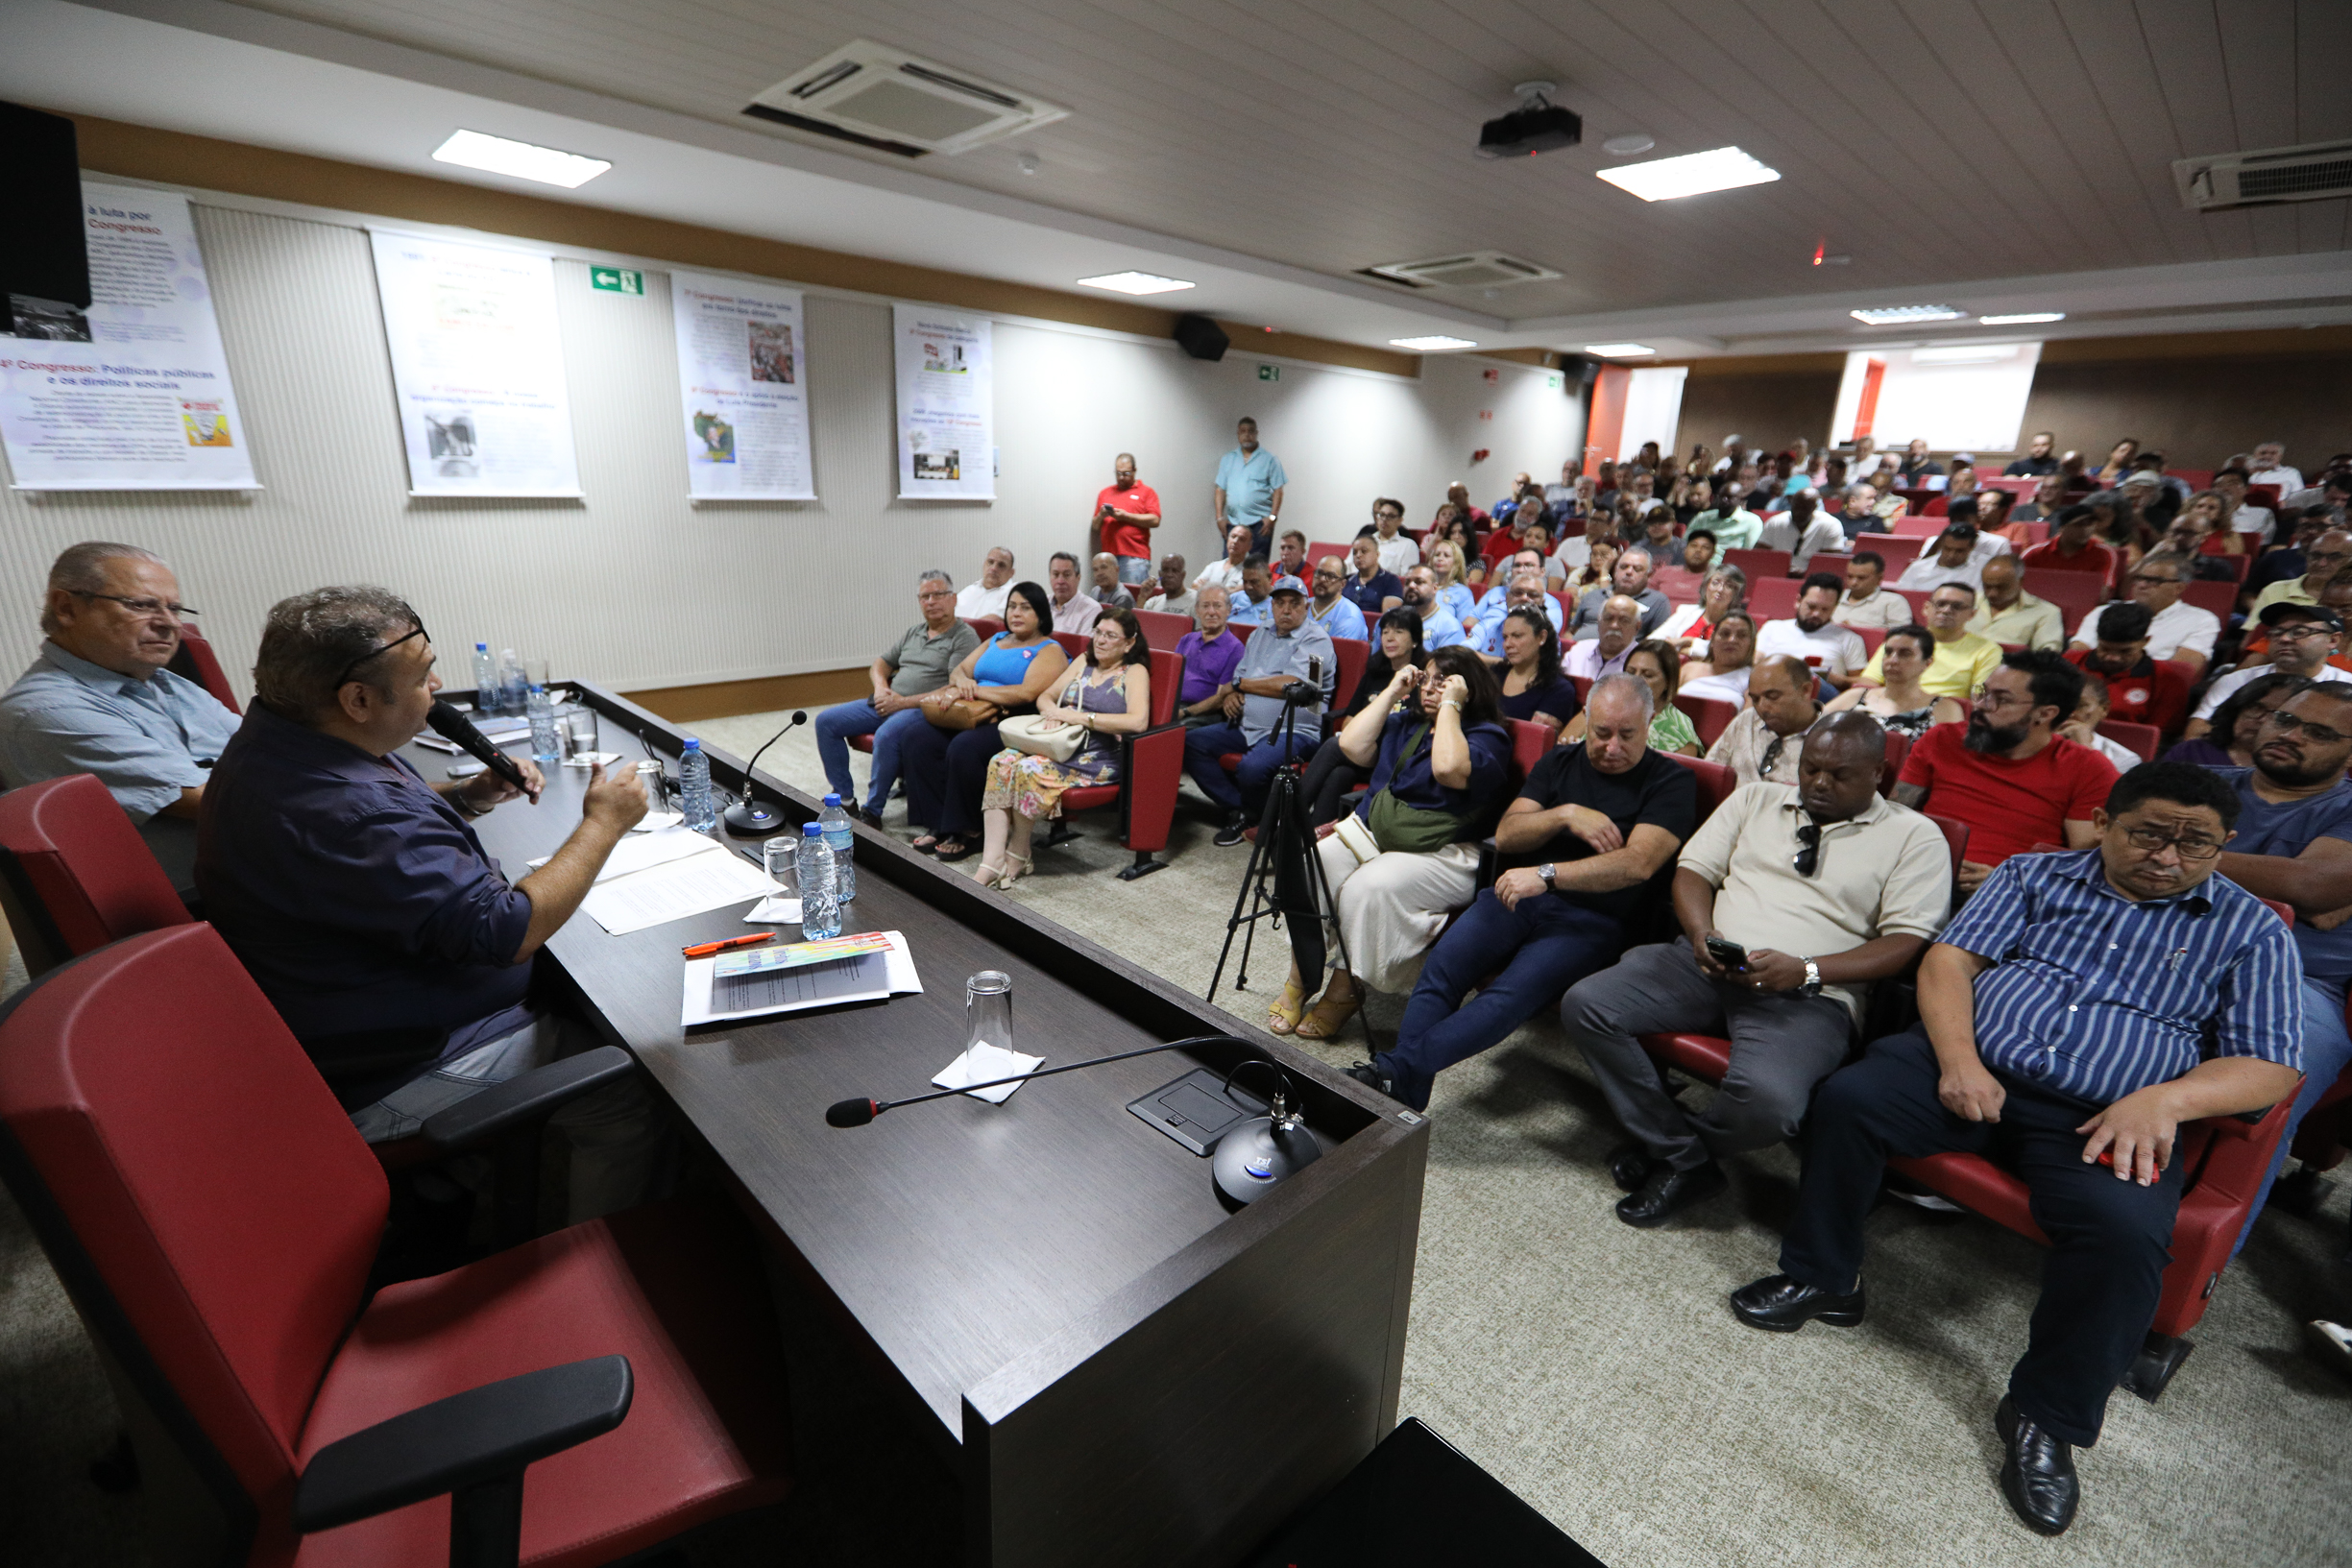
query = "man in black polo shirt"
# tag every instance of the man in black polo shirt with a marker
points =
(1592, 837)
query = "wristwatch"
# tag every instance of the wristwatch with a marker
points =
(1547, 871)
(1812, 979)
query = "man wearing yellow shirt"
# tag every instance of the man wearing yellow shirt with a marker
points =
(1962, 658)
(2009, 614)
(2324, 557)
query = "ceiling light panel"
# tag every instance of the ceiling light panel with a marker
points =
(1619, 351)
(2030, 317)
(496, 155)
(1905, 315)
(1135, 283)
(1694, 174)
(1432, 343)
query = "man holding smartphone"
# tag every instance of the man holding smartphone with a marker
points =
(1844, 886)
(1124, 514)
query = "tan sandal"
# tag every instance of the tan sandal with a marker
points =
(1332, 1012)
(1007, 877)
(989, 876)
(1282, 1014)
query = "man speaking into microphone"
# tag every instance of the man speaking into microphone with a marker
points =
(366, 910)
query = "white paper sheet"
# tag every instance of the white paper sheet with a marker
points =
(775, 912)
(904, 981)
(634, 854)
(981, 1063)
(675, 890)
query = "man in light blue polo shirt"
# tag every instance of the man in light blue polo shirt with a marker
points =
(1328, 608)
(98, 700)
(1249, 481)
(1438, 627)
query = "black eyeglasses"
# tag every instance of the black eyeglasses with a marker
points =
(373, 652)
(1807, 859)
(141, 608)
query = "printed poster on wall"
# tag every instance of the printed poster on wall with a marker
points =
(132, 393)
(477, 366)
(946, 406)
(743, 372)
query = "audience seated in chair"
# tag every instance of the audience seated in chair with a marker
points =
(1407, 857)
(2176, 631)
(1962, 660)
(1868, 602)
(1174, 596)
(945, 763)
(2010, 615)
(1371, 587)
(1802, 531)
(2063, 1016)
(1815, 636)
(1620, 629)
(1276, 655)
(1590, 843)
(918, 661)
(1227, 572)
(1898, 700)
(2090, 712)
(1109, 593)
(2007, 773)
(367, 910)
(1527, 664)
(1764, 741)
(1825, 886)
(1722, 675)
(1328, 605)
(1211, 654)
(1108, 695)
(985, 598)
(1073, 612)
(97, 699)
(1329, 775)
(2303, 641)
(2141, 690)
(1631, 578)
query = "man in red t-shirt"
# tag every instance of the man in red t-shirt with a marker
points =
(2139, 689)
(1124, 514)
(2006, 773)
(2071, 548)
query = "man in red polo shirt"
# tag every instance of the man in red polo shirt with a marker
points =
(2007, 773)
(1124, 514)
(2069, 548)
(2139, 689)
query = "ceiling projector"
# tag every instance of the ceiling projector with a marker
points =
(1536, 126)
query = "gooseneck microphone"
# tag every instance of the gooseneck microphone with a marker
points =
(856, 1113)
(748, 815)
(451, 725)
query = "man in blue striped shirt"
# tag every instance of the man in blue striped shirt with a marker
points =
(2063, 1023)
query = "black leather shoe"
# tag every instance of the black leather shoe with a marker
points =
(2037, 1475)
(1667, 1192)
(1628, 1168)
(1232, 832)
(1371, 1077)
(1779, 1305)
(872, 819)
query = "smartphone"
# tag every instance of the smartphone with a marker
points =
(1730, 955)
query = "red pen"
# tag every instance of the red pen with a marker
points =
(704, 950)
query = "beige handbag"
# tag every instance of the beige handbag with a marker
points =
(1049, 739)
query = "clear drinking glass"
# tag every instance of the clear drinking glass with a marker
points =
(987, 1010)
(657, 797)
(779, 857)
(579, 730)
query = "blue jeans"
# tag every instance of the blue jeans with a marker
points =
(834, 727)
(2326, 1049)
(1543, 947)
(1246, 790)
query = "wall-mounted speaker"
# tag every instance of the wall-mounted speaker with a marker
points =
(41, 249)
(1578, 373)
(1201, 337)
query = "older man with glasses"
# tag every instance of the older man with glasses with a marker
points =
(2175, 630)
(1962, 660)
(97, 699)
(2302, 638)
(919, 660)
(2323, 559)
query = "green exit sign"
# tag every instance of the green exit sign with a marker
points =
(617, 280)
(1270, 372)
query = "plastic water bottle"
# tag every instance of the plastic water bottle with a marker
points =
(486, 693)
(821, 912)
(694, 790)
(512, 686)
(547, 746)
(833, 822)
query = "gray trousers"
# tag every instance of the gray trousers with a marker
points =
(1782, 1045)
(619, 1134)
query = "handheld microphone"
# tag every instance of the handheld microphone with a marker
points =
(451, 725)
(749, 816)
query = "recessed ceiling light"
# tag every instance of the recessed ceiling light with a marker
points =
(1619, 351)
(1905, 315)
(2024, 318)
(1628, 145)
(1967, 354)
(1694, 174)
(496, 155)
(1432, 343)
(1135, 283)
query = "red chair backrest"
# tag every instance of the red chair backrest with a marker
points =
(1773, 599)
(2021, 485)
(1709, 716)
(1830, 562)
(2237, 566)
(1324, 551)
(1956, 840)
(1940, 507)
(205, 669)
(1715, 782)
(1354, 653)
(1898, 747)
(74, 874)
(1908, 526)
(193, 1174)
(2076, 594)
(1916, 600)
(2143, 738)
(987, 626)
(1166, 683)
(1162, 630)
(1761, 566)
(1073, 644)
(2193, 478)
(2262, 496)
(2221, 598)
(1871, 636)
(1529, 741)
(1896, 550)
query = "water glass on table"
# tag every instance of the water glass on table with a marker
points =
(780, 857)
(579, 722)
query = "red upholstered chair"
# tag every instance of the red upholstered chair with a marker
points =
(1162, 630)
(1898, 747)
(1707, 715)
(1871, 636)
(214, 1216)
(74, 874)
(1354, 653)
(1317, 553)
(1715, 782)
(1938, 507)
(2218, 597)
(197, 661)
(1073, 643)
(1916, 600)
(1918, 528)
(1583, 689)
(1151, 767)
(2143, 738)
(2262, 496)
(1773, 599)
(1761, 566)
(987, 626)
(1828, 560)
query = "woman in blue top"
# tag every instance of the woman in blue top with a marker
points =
(1409, 855)
(944, 767)
(1533, 688)
(1370, 588)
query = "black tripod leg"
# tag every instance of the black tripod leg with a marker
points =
(1250, 877)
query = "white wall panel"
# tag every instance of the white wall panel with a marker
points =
(637, 587)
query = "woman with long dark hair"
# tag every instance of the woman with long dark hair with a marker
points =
(1396, 644)
(1532, 689)
(944, 763)
(1108, 695)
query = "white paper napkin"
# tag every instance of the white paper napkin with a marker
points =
(980, 1064)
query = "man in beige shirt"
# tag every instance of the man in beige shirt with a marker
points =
(1822, 888)
(2008, 614)
(1766, 739)
(1868, 600)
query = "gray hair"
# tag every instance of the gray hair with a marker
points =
(1632, 550)
(1207, 589)
(81, 569)
(1738, 578)
(311, 638)
(935, 575)
(1632, 687)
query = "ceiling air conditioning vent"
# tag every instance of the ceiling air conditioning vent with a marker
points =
(876, 96)
(1476, 270)
(2277, 174)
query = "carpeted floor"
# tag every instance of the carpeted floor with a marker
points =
(1594, 1370)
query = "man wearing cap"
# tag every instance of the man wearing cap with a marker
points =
(1952, 560)
(1279, 653)
(2139, 689)
(2302, 637)
(2175, 630)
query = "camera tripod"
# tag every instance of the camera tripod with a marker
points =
(1285, 851)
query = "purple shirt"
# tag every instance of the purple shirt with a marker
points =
(1207, 665)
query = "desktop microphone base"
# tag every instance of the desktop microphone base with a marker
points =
(752, 817)
(1257, 1156)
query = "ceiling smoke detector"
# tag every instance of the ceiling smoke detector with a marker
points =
(876, 96)
(1472, 270)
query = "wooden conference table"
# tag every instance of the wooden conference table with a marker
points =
(1119, 1370)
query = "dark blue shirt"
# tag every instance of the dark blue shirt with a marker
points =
(2095, 995)
(356, 897)
(1408, 775)
(1369, 597)
(2287, 829)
